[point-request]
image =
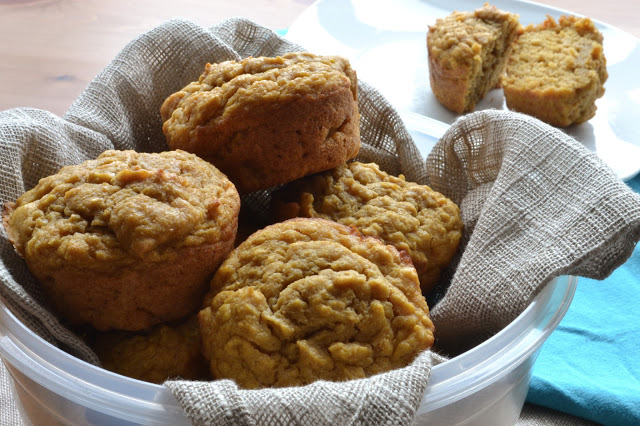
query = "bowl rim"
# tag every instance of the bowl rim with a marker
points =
(497, 356)
(138, 401)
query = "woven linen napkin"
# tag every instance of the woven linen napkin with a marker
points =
(536, 204)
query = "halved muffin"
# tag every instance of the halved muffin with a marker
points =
(467, 53)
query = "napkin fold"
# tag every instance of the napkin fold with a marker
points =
(536, 204)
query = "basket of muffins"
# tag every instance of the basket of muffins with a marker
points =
(156, 259)
(159, 261)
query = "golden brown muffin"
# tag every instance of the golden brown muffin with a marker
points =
(267, 121)
(467, 53)
(310, 299)
(557, 71)
(411, 217)
(167, 351)
(128, 240)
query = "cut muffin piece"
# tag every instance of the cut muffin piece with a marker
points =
(557, 71)
(467, 53)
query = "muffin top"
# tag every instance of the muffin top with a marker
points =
(409, 216)
(231, 86)
(310, 299)
(120, 209)
(166, 351)
(458, 39)
(557, 57)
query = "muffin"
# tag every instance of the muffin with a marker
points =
(267, 121)
(557, 71)
(167, 351)
(412, 217)
(127, 240)
(467, 53)
(311, 299)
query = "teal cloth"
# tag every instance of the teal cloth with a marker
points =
(590, 365)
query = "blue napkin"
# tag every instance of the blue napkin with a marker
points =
(590, 365)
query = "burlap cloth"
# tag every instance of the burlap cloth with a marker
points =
(536, 204)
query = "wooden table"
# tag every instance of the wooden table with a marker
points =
(52, 49)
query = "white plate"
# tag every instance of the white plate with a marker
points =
(386, 43)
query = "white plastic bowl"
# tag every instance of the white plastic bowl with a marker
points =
(486, 385)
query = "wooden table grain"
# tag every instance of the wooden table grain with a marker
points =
(52, 49)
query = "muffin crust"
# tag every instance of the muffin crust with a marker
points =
(267, 121)
(310, 299)
(411, 217)
(128, 240)
(167, 351)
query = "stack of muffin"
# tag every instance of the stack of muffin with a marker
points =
(138, 251)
